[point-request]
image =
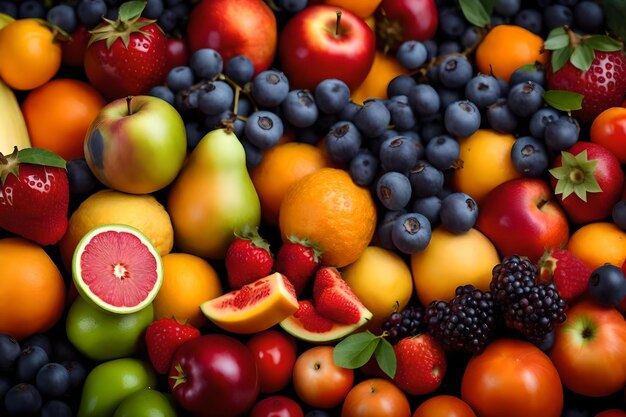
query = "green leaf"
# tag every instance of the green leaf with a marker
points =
(528, 68)
(563, 100)
(355, 350)
(475, 12)
(615, 15)
(38, 156)
(560, 57)
(488, 5)
(557, 39)
(386, 358)
(131, 9)
(603, 43)
(582, 57)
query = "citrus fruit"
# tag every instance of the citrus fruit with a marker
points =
(361, 8)
(254, 307)
(384, 69)
(505, 48)
(188, 281)
(142, 212)
(329, 210)
(116, 267)
(59, 113)
(451, 260)
(485, 163)
(382, 280)
(280, 167)
(598, 243)
(32, 291)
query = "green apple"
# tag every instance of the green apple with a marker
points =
(146, 403)
(5, 19)
(136, 144)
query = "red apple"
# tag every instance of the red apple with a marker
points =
(177, 53)
(403, 20)
(235, 27)
(522, 217)
(275, 355)
(276, 406)
(589, 350)
(323, 42)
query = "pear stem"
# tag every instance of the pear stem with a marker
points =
(338, 21)
(128, 108)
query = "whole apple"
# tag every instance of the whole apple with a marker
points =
(214, 375)
(521, 217)
(322, 42)
(136, 144)
(402, 20)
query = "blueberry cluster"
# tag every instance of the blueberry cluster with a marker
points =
(406, 323)
(37, 376)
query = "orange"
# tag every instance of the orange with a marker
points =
(29, 54)
(599, 243)
(280, 167)
(505, 48)
(361, 8)
(485, 163)
(384, 69)
(444, 406)
(32, 290)
(188, 281)
(59, 113)
(330, 210)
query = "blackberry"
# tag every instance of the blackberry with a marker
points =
(466, 323)
(511, 278)
(408, 322)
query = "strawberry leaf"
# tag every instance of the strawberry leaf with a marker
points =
(386, 358)
(528, 68)
(603, 43)
(563, 100)
(575, 176)
(474, 11)
(560, 57)
(38, 156)
(355, 350)
(131, 10)
(582, 57)
(557, 39)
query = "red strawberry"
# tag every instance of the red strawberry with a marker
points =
(127, 56)
(599, 74)
(298, 261)
(333, 297)
(420, 364)
(34, 195)
(163, 337)
(248, 258)
(569, 274)
(588, 181)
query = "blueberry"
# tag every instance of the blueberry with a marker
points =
(540, 119)
(38, 339)
(239, 69)
(402, 117)
(411, 54)
(167, 21)
(455, 71)
(619, 214)
(332, 95)
(534, 73)
(589, 16)
(500, 117)
(547, 342)
(78, 373)
(31, 9)
(292, 6)
(470, 37)
(270, 88)
(529, 19)
(462, 118)
(63, 16)
(8, 8)
(373, 118)
(399, 153)
(5, 384)
(393, 190)
(22, 398)
(530, 156)
(206, 63)
(482, 90)
(164, 93)
(215, 97)
(429, 207)
(264, 129)
(9, 351)
(374, 144)
(411, 233)
(524, 99)
(443, 152)
(222, 119)
(431, 128)
(31, 359)
(180, 78)
(343, 141)
(507, 8)
(153, 9)
(383, 229)
(450, 47)
(56, 408)
(426, 180)
(424, 100)
(80, 178)
(299, 108)
(194, 131)
(349, 111)
(458, 212)
(557, 15)
(607, 285)
(451, 23)
(400, 85)
(561, 134)
(187, 100)
(448, 96)
(90, 12)
(317, 413)
(363, 168)
(244, 106)
(53, 380)
(324, 121)
(432, 48)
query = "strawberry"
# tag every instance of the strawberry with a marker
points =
(588, 181)
(566, 271)
(248, 258)
(593, 66)
(298, 260)
(127, 56)
(420, 364)
(163, 337)
(34, 195)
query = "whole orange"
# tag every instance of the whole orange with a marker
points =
(361, 8)
(32, 290)
(599, 243)
(328, 209)
(444, 406)
(384, 69)
(280, 167)
(505, 48)
(59, 113)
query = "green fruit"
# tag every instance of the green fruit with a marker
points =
(5, 19)
(109, 383)
(146, 403)
(104, 336)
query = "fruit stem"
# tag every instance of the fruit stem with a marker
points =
(338, 21)
(128, 108)
(577, 175)
(542, 203)
(574, 40)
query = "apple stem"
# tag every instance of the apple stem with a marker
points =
(542, 203)
(338, 21)
(128, 108)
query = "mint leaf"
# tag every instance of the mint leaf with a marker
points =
(38, 156)
(557, 39)
(563, 100)
(615, 15)
(603, 43)
(560, 57)
(386, 358)
(131, 9)
(475, 12)
(355, 350)
(582, 57)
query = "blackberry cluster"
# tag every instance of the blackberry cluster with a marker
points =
(530, 308)
(408, 322)
(466, 323)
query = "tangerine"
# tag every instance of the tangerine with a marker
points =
(361, 8)
(328, 209)
(384, 69)
(598, 243)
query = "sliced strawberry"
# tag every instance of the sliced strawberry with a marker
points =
(334, 299)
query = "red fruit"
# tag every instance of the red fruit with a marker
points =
(128, 56)
(248, 258)
(163, 337)
(568, 273)
(420, 364)
(334, 299)
(177, 53)
(34, 197)
(403, 20)
(73, 53)
(588, 181)
(298, 261)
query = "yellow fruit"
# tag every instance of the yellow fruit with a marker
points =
(451, 260)
(188, 281)
(382, 280)
(598, 243)
(142, 212)
(486, 163)
(384, 69)
(254, 307)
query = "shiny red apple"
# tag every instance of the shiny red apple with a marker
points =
(403, 20)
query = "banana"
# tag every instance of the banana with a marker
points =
(13, 130)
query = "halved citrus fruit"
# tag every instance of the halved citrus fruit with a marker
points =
(254, 307)
(116, 267)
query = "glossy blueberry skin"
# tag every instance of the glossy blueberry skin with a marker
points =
(462, 118)
(400, 85)
(412, 54)
(206, 63)
(22, 399)
(530, 156)
(607, 285)
(426, 180)
(424, 100)
(411, 233)
(180, 78)
(343, 141)
(373, 118)
(401, 113)
(299, 108)
(442, 151)
(363, 168)
(540, 119)
(393, 190)
(501, 118)
(264, 129)
(52, 380)
(31, 359)
(270, 88)
(526, 98)
(483, 90)
(239, 69)
(561, 134)
(458, 212)
(455, 72)
(399, 153)
(332, 95)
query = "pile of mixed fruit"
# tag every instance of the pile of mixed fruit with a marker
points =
(313, 208)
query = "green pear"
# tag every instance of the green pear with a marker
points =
(109, 383)
(213, 196)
